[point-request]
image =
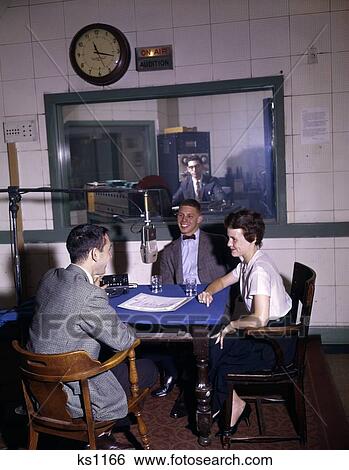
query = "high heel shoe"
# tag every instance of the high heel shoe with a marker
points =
(245, 416)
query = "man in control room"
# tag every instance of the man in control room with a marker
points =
(197, 185)
(72, 313)
(198, 254)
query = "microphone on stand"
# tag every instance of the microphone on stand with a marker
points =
(149, 247)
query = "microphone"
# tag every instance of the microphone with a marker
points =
(149, 247)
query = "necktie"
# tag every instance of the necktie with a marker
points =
(189, 237)
(198, 190)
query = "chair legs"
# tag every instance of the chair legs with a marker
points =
(32, 438)
(142, 429)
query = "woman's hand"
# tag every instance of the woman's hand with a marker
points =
(205, 298)
(221, 335)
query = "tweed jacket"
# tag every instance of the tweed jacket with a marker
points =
(214, 259)
(210, 190)
(72, 314)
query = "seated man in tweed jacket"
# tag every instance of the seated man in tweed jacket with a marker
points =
(73, 313)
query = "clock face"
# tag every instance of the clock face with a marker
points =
(100, 54)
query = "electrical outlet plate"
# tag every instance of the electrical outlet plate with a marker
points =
(20, 131)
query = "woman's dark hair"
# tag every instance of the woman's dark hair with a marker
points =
(83, 238)
(250, 222)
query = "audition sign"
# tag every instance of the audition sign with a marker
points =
(154, 58)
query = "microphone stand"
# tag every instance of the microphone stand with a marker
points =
(15, 197)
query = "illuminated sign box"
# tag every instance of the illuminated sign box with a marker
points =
(153, 58)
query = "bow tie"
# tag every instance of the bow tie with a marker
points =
(189, 237)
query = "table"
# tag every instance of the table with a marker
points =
(191, 322)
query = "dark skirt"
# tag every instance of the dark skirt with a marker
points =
(242, 355)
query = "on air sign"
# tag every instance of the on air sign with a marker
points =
(154, 58)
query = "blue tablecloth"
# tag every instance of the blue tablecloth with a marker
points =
(191, 313)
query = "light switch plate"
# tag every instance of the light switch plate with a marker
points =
(20, 131)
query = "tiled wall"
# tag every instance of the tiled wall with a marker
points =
(212, 40)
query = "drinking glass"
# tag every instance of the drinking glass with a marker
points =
(156, 283)
(190, 287)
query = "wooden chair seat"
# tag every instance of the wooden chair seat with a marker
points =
(43, 376)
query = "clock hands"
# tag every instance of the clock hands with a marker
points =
(99, 52)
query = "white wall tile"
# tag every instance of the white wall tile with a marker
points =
(340, 151)
(14, 26)
(311, 78)
(232, 70)
(289, 193)
(310, 30)
(311, 243)
(129, 80)
(50, 58)
(263, 34)
(324, 306)
(268, 8)
(33, 209)
(119, 13)
(341, 216)
(340, 112)
(313, 191)
(341, 242)
(342, 310)
(288, 115)
(26, 162)
(153, 14)
(342, 266)
(47, 21)
(341, 190)
(19, 97)
(308, 6)
(49, 85)
(288, 154)
(190, 12)
(308, 101)
(154, 37)
(339, 5)
(163, 77)
(195, 73)
(322, 261)
(228, 10)
(199, 38)
(274, 66)
(16, 61)
(310, 217)
(79, 13)
(340, 31)
(230, 41)
(312, 157)
(279, 243)
(340, 71)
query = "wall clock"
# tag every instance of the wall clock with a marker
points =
(100, 54)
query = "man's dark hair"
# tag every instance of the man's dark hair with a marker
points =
(194, 158)
(83, 238)
(191, 203)
(250, 222)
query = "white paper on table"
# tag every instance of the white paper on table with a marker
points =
(154, 303)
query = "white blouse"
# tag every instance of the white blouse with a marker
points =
(261, 277)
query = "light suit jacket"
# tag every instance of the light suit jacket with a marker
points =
(214, 259)
(71, 314)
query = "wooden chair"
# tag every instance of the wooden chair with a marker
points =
(43, 376)
(289, 376)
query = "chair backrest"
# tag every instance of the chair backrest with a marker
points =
(302, 295)
(43, 376)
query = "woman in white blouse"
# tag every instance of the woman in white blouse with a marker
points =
(265, 299)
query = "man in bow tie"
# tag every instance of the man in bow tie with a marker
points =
(197, 185)
(198, 254)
